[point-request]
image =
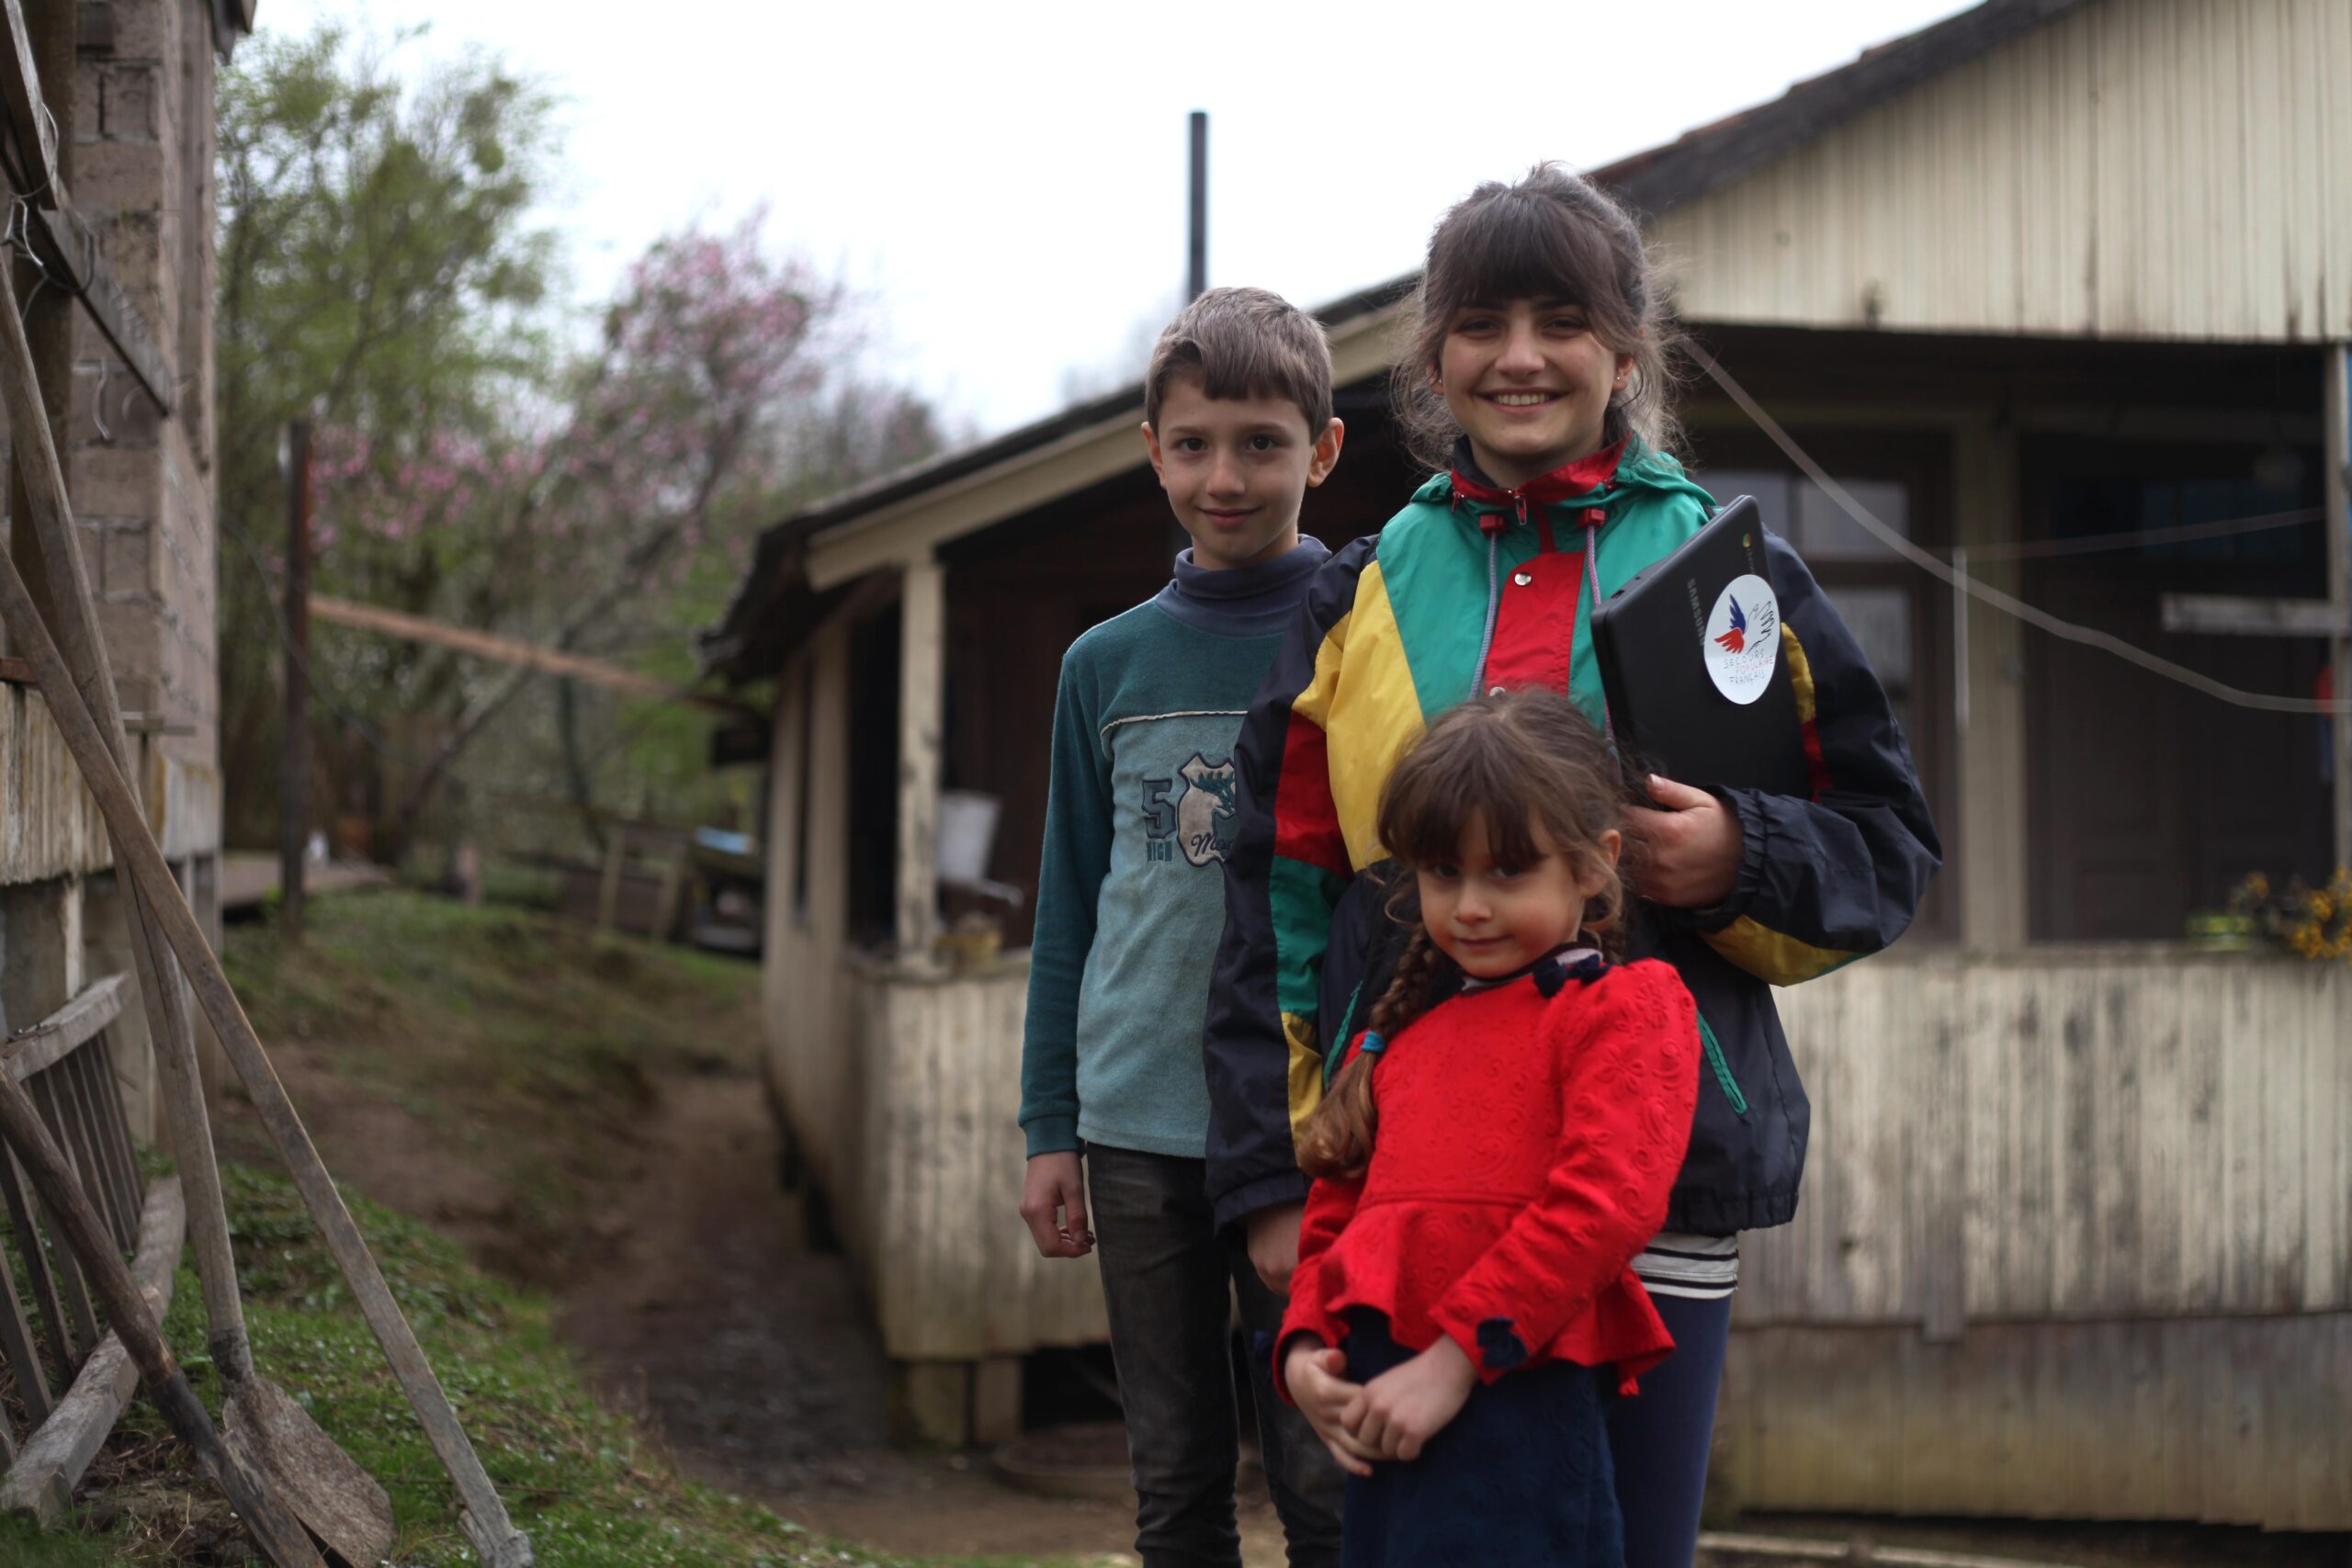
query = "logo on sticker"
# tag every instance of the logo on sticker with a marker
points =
(1744, 638)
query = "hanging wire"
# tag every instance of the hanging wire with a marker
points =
(2136, 538)
(2008, 603)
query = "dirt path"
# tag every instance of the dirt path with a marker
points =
(705, 1315)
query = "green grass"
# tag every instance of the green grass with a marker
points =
(23, 1546)
(526, 1042)
(590, 1490)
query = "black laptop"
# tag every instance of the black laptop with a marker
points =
(1692, 663)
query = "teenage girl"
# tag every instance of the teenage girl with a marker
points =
(1487, 1166)
(1536, 385)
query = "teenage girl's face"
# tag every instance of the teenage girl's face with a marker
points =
(1492, 917)
(1530, 384)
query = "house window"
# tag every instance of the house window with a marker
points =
(2147, 800)
(1880, 615)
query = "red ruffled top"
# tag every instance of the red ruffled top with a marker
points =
(1529, 1136)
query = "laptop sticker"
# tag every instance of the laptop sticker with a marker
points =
(1743, 637)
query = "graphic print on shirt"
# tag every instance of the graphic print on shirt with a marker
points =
(1197, 822)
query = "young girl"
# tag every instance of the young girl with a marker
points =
(1488, 1167)
(1536, 383)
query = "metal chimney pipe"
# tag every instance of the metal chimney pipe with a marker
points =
(1196, 276)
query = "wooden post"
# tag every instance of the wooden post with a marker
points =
(608, 893)
(2338, 436)
(921, 676)
(1986, 845)
(294, 757)
(673, 881)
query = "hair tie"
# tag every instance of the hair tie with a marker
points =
(1370, 1044)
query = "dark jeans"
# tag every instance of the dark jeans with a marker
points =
(1661, 1438)
(1168, 1280)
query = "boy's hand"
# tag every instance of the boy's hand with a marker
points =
(1685, 853)
(1053, 1202)
(1273, 1244)
(1394, 1414)
(1315, 1374)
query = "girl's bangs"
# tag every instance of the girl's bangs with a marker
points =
(1523, 247)
(1429, 806)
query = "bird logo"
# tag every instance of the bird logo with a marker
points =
(1736, 639)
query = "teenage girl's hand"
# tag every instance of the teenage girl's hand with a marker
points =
(1273, 1244)
(1685, 854)
(1053, 1200)
(1316, 1373)
(1406, 1406)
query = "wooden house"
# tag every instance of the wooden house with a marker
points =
(119, 317)
(110, 111)
(2061, 293)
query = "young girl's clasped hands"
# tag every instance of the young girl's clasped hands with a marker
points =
(1495, 1149)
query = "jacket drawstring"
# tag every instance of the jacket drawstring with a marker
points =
(1494, 602)
(1593, 518)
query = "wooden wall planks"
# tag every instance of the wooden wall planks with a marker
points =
(2228, 1420)
(954, 1273)
(2106, 1132)
(2149, 168)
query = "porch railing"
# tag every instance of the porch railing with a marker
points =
(69, 1383)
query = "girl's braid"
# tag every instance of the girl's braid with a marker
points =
(1336, 1142)
(1407, 996)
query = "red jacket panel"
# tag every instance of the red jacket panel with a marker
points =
(1529, 1136)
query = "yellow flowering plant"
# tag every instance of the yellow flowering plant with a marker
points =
(2309, 922)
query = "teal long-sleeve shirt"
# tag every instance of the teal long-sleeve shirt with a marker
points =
(1130, 892)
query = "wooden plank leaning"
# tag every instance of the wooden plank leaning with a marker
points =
(273, 1528)
(340, 1503)
(138, 856)
(159, 905)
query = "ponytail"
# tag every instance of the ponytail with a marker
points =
(1336, 1142)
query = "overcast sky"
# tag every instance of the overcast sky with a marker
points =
(1006, 184)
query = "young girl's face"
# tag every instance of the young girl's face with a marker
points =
(1492, 917)
(1529, 384)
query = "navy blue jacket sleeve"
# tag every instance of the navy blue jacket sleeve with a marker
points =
(1822, 882)
(1284, 875)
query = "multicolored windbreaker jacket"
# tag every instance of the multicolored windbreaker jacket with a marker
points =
(1469, 588)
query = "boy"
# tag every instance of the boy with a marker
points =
(1130, 901)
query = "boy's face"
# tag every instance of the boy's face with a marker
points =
(1236, 469)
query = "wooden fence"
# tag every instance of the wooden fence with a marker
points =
(69, 1382)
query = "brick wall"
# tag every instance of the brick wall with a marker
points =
(141, 166)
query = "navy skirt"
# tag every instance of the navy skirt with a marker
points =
(1521, 1477)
